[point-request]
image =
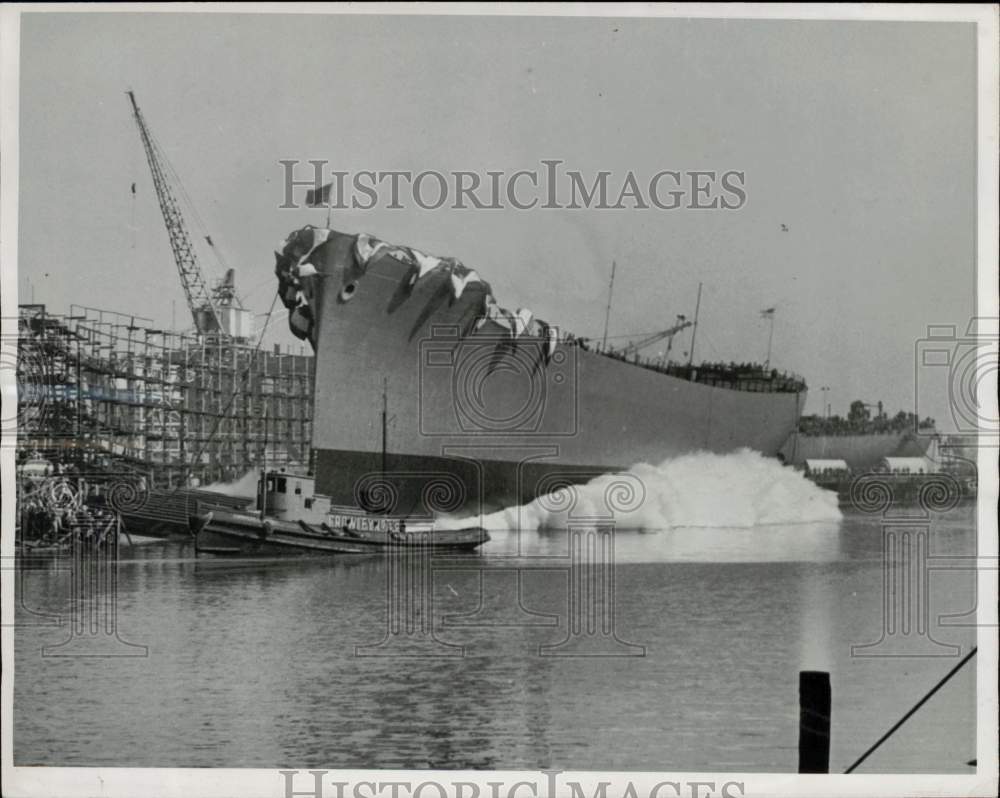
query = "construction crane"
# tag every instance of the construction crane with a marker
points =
(669, 333)
(215, 312)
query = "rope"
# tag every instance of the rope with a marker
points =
(132, 180)
(257, 286)
(132, 189)
(624, 336)
(916, 706)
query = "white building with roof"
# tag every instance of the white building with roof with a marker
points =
(908, 465)
(819, 467)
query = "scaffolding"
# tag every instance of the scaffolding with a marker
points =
(187, 410)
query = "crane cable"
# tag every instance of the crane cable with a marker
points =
(132, 180)
(915, 707)
(185, 199)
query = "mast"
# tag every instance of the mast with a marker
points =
(263, 473)
(607, 313)
(694, 327)
(770, 339)
(385, 411)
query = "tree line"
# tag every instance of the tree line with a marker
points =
(861, 421)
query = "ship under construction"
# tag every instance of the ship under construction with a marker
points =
(183, 410)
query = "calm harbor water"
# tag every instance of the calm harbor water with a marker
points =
(254, 663)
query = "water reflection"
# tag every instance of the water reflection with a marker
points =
(251, 663)
(812, 542)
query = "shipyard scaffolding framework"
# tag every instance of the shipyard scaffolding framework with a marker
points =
(186, 410)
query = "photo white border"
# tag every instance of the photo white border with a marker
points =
(181, 783)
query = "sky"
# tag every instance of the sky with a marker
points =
(858, 137)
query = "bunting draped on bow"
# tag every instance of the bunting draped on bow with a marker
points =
(522, 321)
(296, 274)
(368, 247)
(459, 281)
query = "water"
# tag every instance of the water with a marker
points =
(252, 663)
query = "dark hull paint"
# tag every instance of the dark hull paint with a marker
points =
(439, 485)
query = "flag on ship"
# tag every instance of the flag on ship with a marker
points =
(319, 198)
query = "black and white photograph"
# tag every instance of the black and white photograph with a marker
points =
(499, 400)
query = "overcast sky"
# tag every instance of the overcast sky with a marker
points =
(858, 137)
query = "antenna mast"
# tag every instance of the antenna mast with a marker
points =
(770, 339)
(385, 422)
(694, 328)
(607, 314)
(263, 473)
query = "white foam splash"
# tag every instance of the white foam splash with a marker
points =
(244, 486)
(743, 489)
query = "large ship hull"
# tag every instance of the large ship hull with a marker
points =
(477, 415)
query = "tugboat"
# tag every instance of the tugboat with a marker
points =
(291, 518)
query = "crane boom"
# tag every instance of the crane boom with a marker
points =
(199, 298)
(659, 336)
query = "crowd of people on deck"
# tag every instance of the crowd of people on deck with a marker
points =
(739, 376)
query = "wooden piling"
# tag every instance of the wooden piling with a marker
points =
(814, 722)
